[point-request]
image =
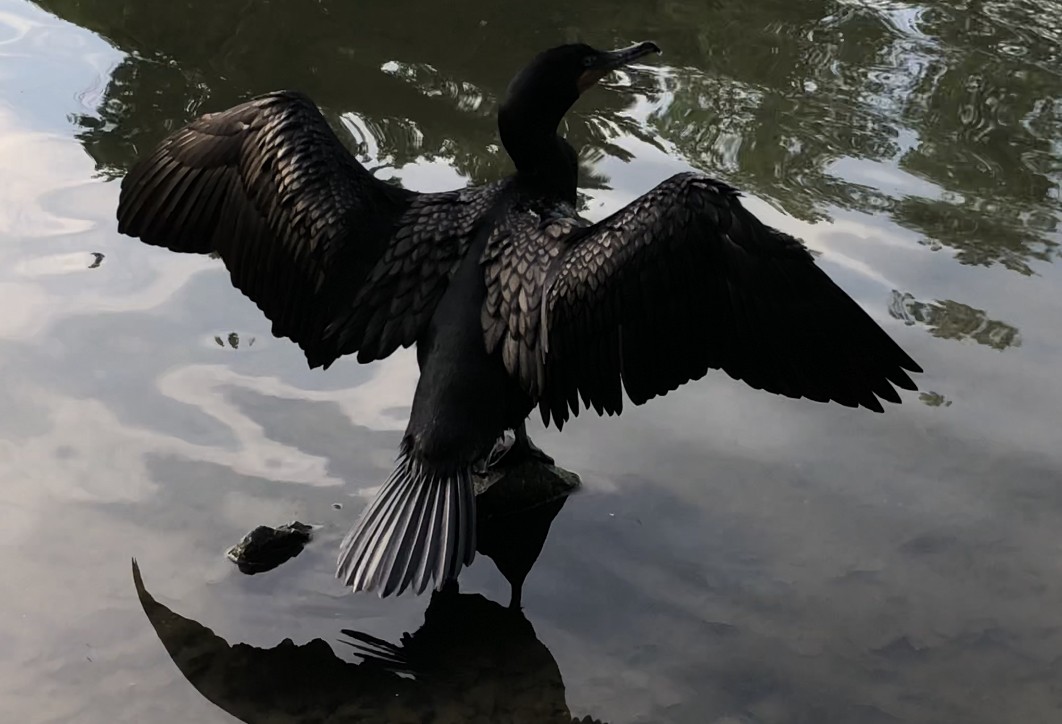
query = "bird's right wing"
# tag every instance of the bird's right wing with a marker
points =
(338, 260)
(685, 279)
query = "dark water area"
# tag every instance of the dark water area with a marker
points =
(732, 558)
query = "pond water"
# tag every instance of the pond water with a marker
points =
(733, 557)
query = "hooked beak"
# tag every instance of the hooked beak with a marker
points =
(611, 60)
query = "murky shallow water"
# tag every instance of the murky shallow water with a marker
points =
(734, 557)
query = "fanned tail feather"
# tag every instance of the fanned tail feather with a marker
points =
(421, 526)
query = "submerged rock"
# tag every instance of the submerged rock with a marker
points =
(265, 548)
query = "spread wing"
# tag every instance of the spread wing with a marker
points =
(684, 280)
(338, 260)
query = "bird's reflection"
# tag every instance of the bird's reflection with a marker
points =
(472, 660)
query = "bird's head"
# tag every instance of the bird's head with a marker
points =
(555, 78)
(542, 93)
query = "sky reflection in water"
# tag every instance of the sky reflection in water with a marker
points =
(733, 557)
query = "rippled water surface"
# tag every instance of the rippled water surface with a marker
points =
(734, 557)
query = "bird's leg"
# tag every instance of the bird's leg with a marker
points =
(522, 447)
(515, 604)
(499, 452)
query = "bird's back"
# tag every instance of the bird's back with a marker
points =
(466, 398)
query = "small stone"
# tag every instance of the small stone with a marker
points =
(265, 548)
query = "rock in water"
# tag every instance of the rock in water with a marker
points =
(265, 548)
(525, 485)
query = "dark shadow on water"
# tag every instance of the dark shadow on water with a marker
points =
(472, 660)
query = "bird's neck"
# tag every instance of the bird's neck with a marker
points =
(542, 158)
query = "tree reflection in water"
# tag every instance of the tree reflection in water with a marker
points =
(952, 101)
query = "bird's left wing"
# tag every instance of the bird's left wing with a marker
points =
(685, 279)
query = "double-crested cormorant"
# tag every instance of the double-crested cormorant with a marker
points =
(512, 299)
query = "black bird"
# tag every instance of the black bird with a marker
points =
(512, 299)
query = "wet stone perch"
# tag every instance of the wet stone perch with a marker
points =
(526, 484)
(265, 548)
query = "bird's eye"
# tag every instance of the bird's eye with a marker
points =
(588, 61)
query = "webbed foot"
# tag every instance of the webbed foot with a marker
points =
(521, 448)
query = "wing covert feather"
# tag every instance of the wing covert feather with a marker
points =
(516, 262)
